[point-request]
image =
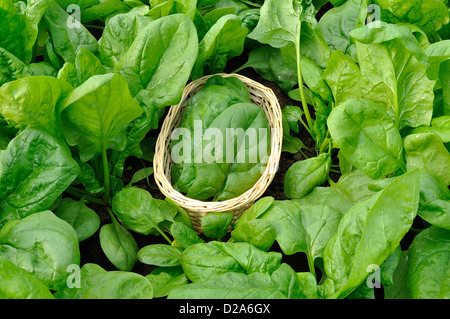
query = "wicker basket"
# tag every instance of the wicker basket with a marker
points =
(260, 95)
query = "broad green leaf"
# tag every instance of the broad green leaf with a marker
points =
(119, 33)
(258, 232)
(257, 209)
(399, 289)
(34, 101)
(278, 24)
(164, 279)
(429, 264)
(67, 39)
(368, 233)
(119, 246)
(20, 284)
(429, 15)
(83, 219)
(225, 38)
(394, 73)
(201, 262)
(160, 255)
(95, 115)
(43, 245)
(161, 56)
(302, 228)
(19, 28)
(97, 283)
(434, 204)
(367, 137)
(337, 23)
(230, 285)
(87, 65)
(303, 176)
(184, 235)
(439, 126)
(137, 210)
(35, 169)
(426, 150)
(342, 75)
(215, 225)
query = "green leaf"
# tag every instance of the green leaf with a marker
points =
(225, 38)
(342, 75)
(426, 150)
(161, 56)
(216, 225)
(119, 246)
(84, 220)
(302, 228)
(34, 101)
(257, 232)
(119, 33)
(230, 285)
(137, 210)
(95, 115)
(434, 204)
(19, 28)
(337, 23)
(160, 255)
(394, 73)
(67, 39)
(368, 233)
(303, 176)
(35, 169)
(429, 268)
(164, 279)
(41, 244)
(429, 15)
(367, 137)
(20, 284)
(278, 24)
(184, 235)
(96, 283)
(201, 262)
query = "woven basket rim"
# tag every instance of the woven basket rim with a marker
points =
(162, 157)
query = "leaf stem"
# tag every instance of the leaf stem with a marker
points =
(106, 184)
(300, 79)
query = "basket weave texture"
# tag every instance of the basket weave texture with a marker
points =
(259, 95)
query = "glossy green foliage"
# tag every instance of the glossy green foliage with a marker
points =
(216, 159)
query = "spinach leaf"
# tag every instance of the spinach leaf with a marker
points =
(224, 40)
(119, 245)
(65, 39)
(106, 101)
(426, 150)
(34, 101)
(153, 61)
(35, 169)
(97, 283)
(160, 255)
(428, 260)
(367, 137)
(201, 262)
(83, 219)
(343, 76)
(394, 73)
(426, 14)
(20, 284)
(382, 222)
(337, 23)
(43, 245)
(303, 176)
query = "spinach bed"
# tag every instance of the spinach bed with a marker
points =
(360, 207)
